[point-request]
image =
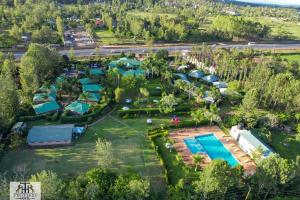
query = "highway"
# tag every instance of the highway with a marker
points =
(111, 50)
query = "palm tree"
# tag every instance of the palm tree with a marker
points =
(85, 96)
(197, 159)
(198, 115)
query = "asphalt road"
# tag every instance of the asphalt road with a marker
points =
(111, 50)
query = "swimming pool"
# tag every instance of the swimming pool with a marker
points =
(211, 145)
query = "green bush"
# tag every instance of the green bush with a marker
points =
(231, 121)
(16, 141)
(2, 146)
(160, 157)
(31, 118)
(180, 110)
(155, 93)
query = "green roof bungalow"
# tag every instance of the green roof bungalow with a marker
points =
(129, 73)
(78, 107)
(130, 62)
(96, 72)
(85, 81)
(44, 89)
(47, 107)
(138, 72)
(44, 97)
(126, 62)
(92, 88)
(90, 97)
(113, 64)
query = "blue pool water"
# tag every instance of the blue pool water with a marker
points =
(194, 146)
(212, 146)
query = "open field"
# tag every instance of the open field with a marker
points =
(292, 57)
(132, 152)
(106, 37)
(147, 15)
(282, 29)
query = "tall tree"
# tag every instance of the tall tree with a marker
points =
(60, 26)
(104, 153)
(216, 179)
(51, 184)
(272, 175)
(8, 100)
(39, 63)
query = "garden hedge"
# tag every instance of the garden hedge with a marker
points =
(183, 124)
(31, 118)
(181, 110)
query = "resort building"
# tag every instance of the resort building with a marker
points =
(85, 81)
(219, 84)
(182, 77)
(125, 62)
(50, 135)
(90, 97)
(96, 72)
(92, 88)
(210, 78)
(47, 107)
(44, 97)
(248, 142)
(78, 107)
(196, 74)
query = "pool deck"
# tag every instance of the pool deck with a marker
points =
(179, 135)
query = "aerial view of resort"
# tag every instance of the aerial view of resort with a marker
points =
(150, 100)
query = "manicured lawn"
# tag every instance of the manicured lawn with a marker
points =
(107, 37)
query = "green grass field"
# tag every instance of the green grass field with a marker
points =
(292, 58)
(132, 152)
(147, 15)
(107, 37)
(280, 28)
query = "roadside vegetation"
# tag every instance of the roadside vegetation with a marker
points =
(144, 22)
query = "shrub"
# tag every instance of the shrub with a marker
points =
(16, 141)
(181, 110)
(1, 149)
(231, 121)
(31, 118)
(155, 93)
(55, 116)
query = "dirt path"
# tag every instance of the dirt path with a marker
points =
(99, 120)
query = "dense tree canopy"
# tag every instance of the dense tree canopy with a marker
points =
(39, 64)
